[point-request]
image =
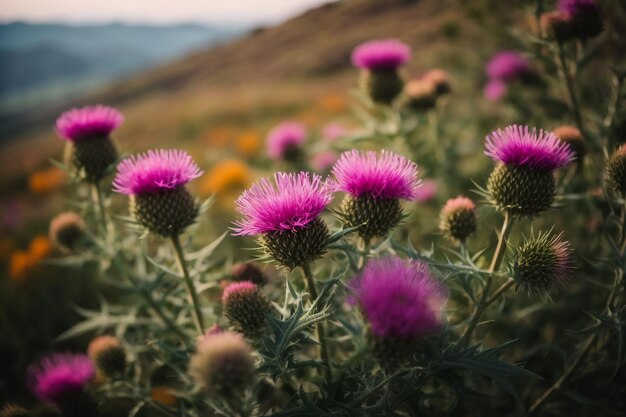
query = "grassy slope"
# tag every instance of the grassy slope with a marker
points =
(274, 73)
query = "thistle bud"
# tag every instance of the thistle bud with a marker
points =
(458, 218)
(89, 151)
(523, 191)
(557, 25)
(382, 86)
(420, 95)
(542, 263)
(372, 216)
(572, 136)
(108, 355)
(379, 61)
(245, 304)
(248, 271)
(155, 182)
(223, 364)
(67, 231)
(440, 79)
(294, 248)
(616, 171)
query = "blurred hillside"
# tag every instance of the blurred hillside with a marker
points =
(273, 73)
(51, 61)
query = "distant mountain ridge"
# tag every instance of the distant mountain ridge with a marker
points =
(43, 62)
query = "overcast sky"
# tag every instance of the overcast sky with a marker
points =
(153, 11)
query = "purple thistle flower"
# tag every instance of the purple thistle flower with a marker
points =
(333, 131)
(88, 122)
(494, 90)
(400, 299)
(427, 191)
(291, 202)
(386, 54)
(59, 375)
(324, 160)
(285, 137)
(522, 146)
(508, 66)
(578, 7)
(155, 170)
(382, 175)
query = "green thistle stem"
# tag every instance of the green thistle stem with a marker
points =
(571, 89)
(367, 243)
(321, 333)
(191, 290)
(486, 300)
(98, 201)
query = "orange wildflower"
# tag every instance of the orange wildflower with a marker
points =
(40, 247)
(47, 180)
(248, 143)
(163, 395)
(333, 103)
(21, 264)
(226, 176)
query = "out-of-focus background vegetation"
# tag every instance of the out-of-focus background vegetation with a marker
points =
(215, 91)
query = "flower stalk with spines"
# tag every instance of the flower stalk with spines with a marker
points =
(523, 182)
(159, 201)
(402, 303)
(374, 183)
(486, 299)
(284, 214)
(379, 61)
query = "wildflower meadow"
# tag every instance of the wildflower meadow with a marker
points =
(396, 259)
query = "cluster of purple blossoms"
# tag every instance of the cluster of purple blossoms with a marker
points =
(400, 299)
(284, 142)
(504, 68)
